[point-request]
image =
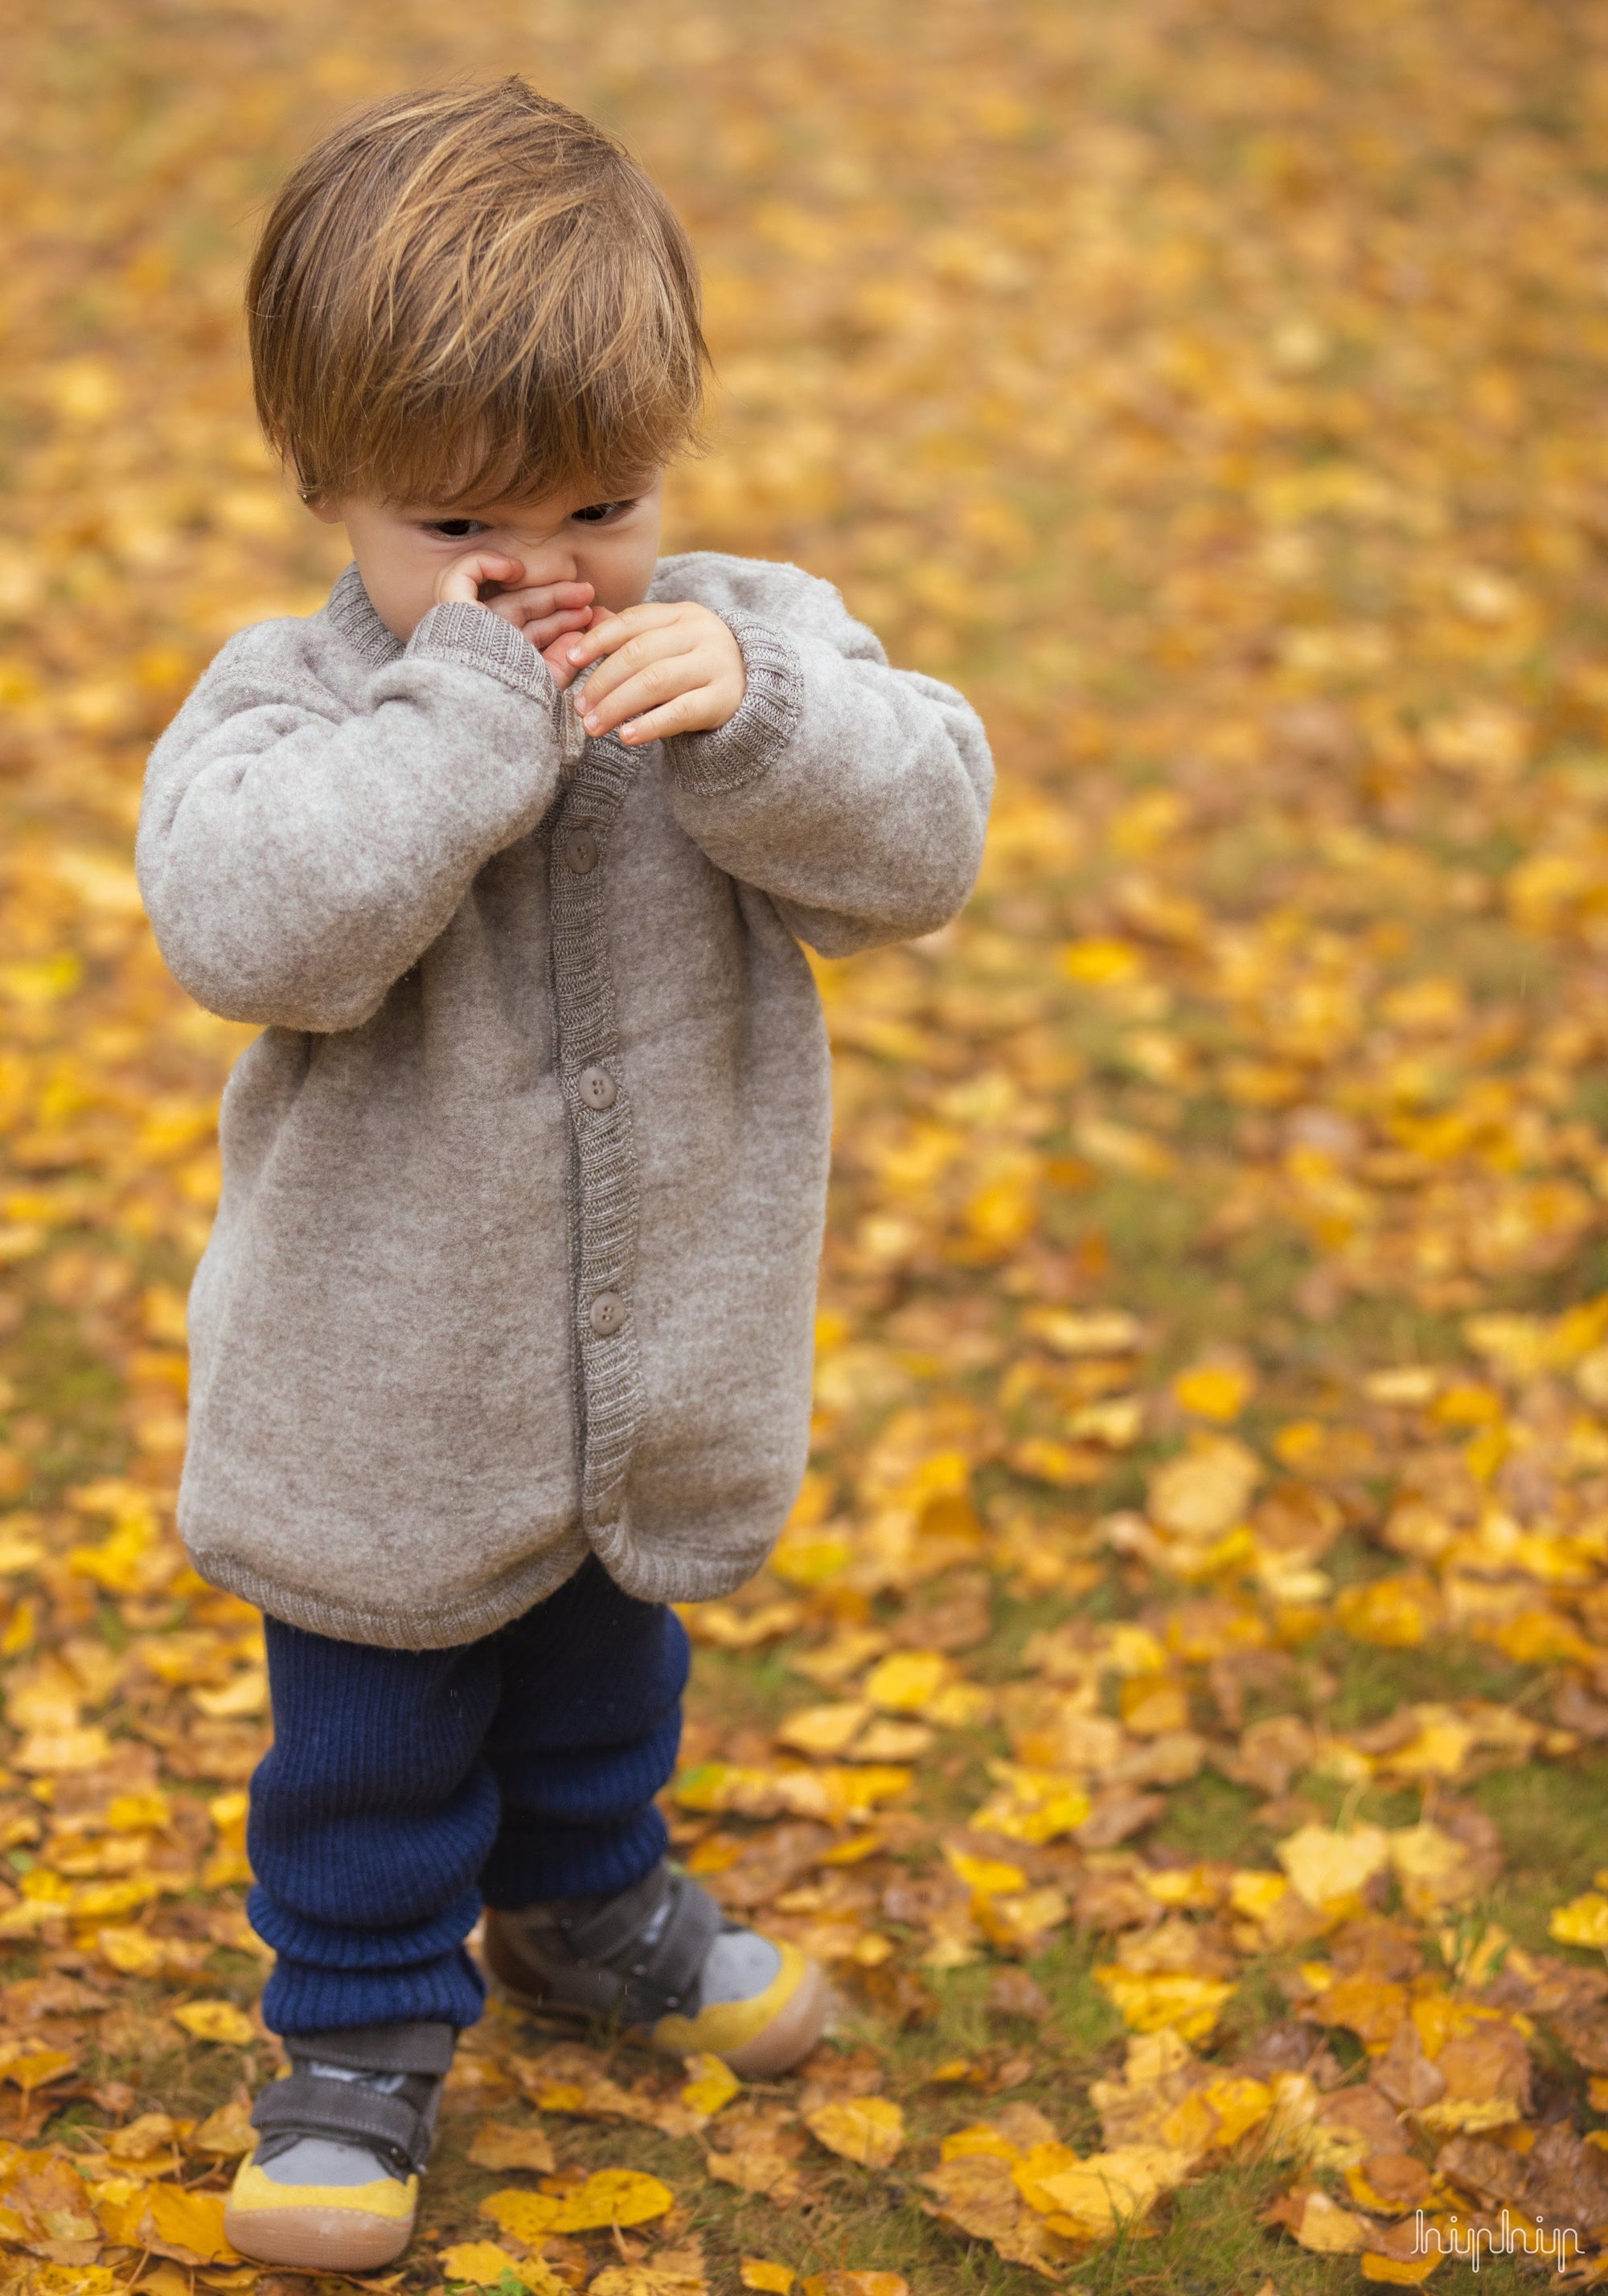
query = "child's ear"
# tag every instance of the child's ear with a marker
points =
(322, 506)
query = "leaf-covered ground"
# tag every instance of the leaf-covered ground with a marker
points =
(1177, 1709)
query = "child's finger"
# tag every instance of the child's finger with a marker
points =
(557, 659)
(460, 583)
(508, 606)
(542, 633)
(687, 713)
(541, 625)
(616, 630)
(549, 598)
(552, 597)
(670, 642)
(655, 683)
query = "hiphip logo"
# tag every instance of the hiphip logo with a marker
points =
(1558, 2245)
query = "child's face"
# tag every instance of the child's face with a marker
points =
(402, 550)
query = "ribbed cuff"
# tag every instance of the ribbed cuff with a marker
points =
(725, 757)
(360, 1945)
(450, 1991)
(474, 637)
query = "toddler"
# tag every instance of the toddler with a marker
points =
(502, 1342)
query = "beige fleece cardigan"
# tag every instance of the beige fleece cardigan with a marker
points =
(523, 1181)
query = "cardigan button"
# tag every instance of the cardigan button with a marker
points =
(607, 1314)
(580, 852)
(598, 1088)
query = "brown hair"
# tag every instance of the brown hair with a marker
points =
(469, 291)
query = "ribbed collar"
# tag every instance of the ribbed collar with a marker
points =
(348, 609)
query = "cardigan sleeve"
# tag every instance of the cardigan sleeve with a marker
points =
(297, 856)
(855, 794)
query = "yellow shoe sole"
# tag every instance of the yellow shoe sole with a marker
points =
(320, 2227)
(767, 2035)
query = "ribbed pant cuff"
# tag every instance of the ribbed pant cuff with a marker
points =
(302, 2000)
(355, 1948)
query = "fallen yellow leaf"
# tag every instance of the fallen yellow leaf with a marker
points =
(1205, 1492)
(823, 1729)
(528, 2217)
(670, 2273)
(906, 1681)
(1214, 1390)
(1189, 2006)
(1090, 2200)
(188, 2226)
(1397, 1613)
(482, 2263)
(610, 2196)
(710, 2085)
(227, 2132)
(30, 2066)
(856, 2283)
(216, 2021)
(1032, 1805)
(614, 2197)
(1324, 1865)
(1583, 1921)
(1329, 2230)
(979, 2141)
(991, 1875)
(869, 2129)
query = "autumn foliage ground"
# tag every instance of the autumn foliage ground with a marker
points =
(1176, 1711)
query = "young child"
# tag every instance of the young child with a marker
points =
(502, 1343)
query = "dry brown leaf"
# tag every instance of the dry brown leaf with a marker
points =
(758, 2150)
(498, 2145)
(976, 2196)
(671, 2272)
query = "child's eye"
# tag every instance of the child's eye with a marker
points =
(453, 529)
(599, 513)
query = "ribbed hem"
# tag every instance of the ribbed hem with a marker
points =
(343, 1950)
(296, 1999)
(680, 1575)
(439, 1627)
(710, 764)
(474, 637)
(698, 1575)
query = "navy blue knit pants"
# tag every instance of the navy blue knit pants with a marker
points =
(404, 1787)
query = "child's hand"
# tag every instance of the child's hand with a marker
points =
(552, 611)
(661, 669)
(547, 613)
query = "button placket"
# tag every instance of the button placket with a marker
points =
(587, 1053)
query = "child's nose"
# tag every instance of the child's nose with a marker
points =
(544, 561)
